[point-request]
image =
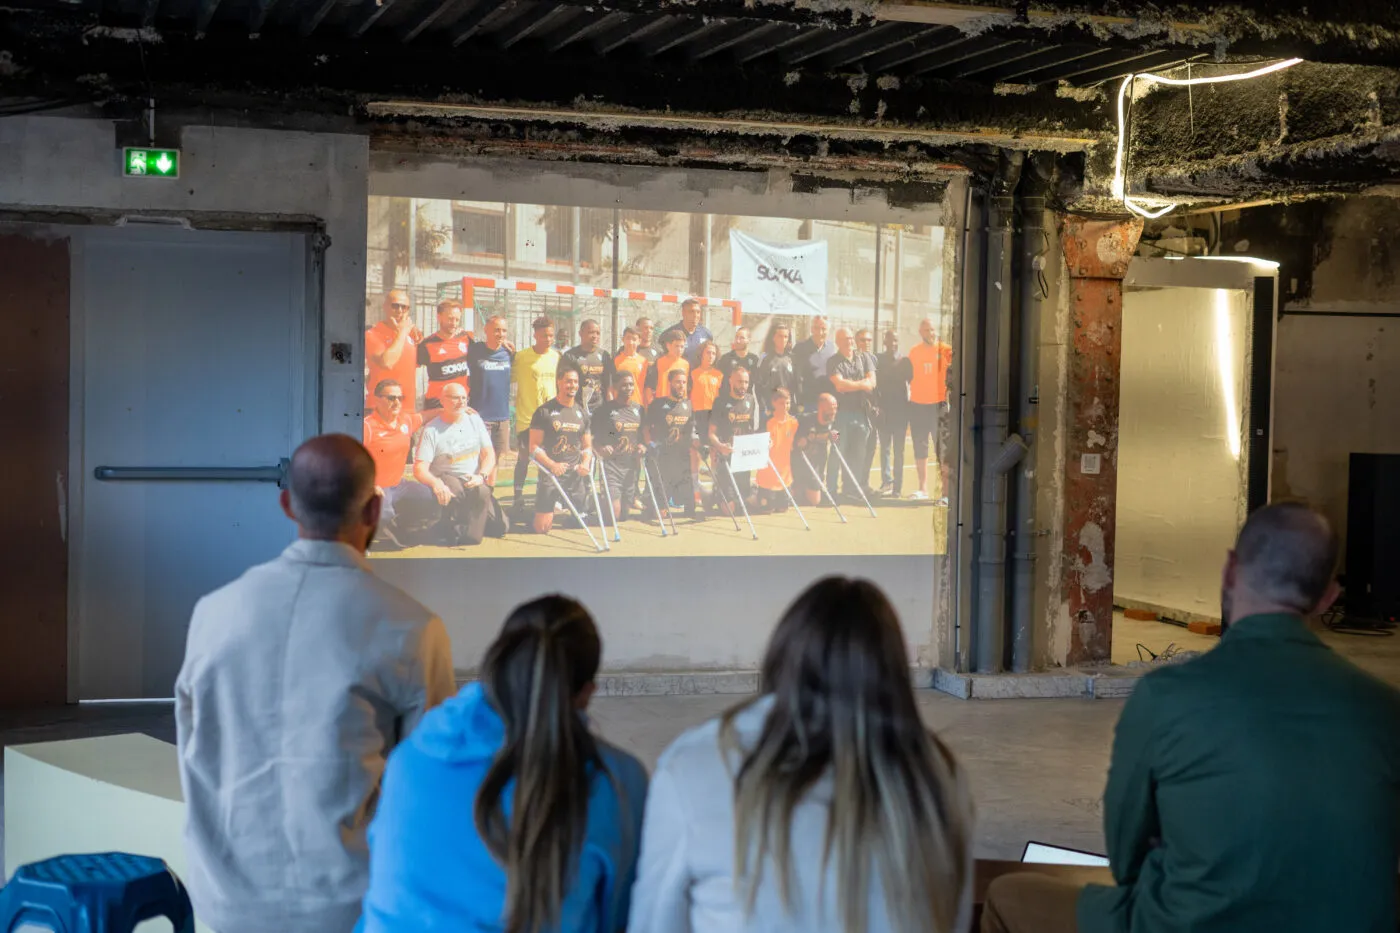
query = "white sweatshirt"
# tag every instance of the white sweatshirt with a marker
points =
(685, 879)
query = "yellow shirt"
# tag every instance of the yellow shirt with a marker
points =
(533, 374)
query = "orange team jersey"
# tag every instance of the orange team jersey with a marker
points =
(404, 372)
(929, 385)
(636, 364)
(780, 435)
(661, 369)
(704, 387)
(388, 444)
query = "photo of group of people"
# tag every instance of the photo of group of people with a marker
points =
(556, 380)
(612, 446)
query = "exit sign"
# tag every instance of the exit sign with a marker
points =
(151, 163)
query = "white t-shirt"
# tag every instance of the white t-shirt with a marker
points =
(461, 440)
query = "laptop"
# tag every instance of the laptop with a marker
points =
(1041, 853)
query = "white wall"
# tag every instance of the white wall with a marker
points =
(75, 165)
(657, 614)
(1337, 393)
(1180, 472)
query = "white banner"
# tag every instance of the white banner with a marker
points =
(778, 278)
(750, 452)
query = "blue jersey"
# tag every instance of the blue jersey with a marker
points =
(490, 381)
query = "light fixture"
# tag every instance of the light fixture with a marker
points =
(1225, 361)
(1120, 159)
(1251, 260)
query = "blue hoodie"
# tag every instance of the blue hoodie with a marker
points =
(430, 870)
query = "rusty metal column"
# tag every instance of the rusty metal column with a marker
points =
(1097, 253)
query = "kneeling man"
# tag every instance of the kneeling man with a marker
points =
(454, 458)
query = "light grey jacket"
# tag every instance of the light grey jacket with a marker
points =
(685, 878)
(299, 678)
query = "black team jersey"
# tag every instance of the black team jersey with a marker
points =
(817, 436)
(775, 371)
(652, 353)
(734, 416)
(730, 361)
(446, 361)
(596, 374)
(564, 428)
(618, 425)
(672, 424)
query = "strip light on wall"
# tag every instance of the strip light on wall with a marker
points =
(1120, 159)
(1225, 360)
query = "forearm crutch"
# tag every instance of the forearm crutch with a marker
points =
(647, 463)
(772, 466)
(602, 526)
(559, 488)
(822, 485)
(740, 496)
(851, 474)
(719, 488)
(607, 491)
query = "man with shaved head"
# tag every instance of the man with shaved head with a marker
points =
(300, 677)
(1256, 788)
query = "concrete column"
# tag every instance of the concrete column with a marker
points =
(1097, 254)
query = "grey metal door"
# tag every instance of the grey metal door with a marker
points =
(190, 354)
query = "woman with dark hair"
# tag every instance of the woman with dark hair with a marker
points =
(502, 811)
(775, 367)
(823, 805)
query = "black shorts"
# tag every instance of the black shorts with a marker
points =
(924, 422)
(622, 476)
(547, 495)
(803, 478)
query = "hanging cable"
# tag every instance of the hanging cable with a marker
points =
(1120, 159)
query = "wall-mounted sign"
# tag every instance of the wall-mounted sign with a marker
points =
(150, 163)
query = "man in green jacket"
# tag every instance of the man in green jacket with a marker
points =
(1256, 788)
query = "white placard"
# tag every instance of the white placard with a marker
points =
(778, 278)
(750, 452)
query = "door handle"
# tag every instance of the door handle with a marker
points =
(263, 474)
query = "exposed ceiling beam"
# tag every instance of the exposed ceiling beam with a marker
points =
(532, 22)
(468, 25)
(414, 30)
(611, 120)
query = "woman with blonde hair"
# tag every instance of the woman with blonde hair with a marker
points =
(502, 811)
(823, 805)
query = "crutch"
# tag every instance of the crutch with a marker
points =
(822, 484)
(719, 488)
(647, 463)
(851, 474)
(772, 466)
(617, 534)
(602, 526)
(744, 506)
(559, 488)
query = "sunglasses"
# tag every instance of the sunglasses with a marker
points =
(399, 307)
(392, 398)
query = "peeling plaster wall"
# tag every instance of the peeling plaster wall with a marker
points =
(1051, 638)
(1337, 384)
(73, 166)
(1181, 489)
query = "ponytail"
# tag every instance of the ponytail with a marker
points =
(545, 656)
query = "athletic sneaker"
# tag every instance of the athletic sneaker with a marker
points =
(919, 495)
(887, 489)
(942, 503)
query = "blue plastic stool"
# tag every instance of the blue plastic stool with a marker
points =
(107, 893)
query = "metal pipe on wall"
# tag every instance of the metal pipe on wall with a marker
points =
(967, 357)
(1034, 246)
(993, 420)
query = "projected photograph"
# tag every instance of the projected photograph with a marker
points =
(562, 381)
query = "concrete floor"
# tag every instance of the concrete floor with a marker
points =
(1038, 766)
